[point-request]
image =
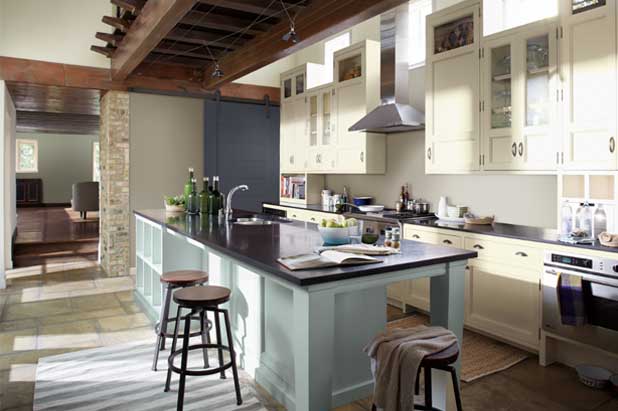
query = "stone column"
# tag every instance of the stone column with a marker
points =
(114, 185)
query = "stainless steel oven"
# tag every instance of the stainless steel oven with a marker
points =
(599, 290)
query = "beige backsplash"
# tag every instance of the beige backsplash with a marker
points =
(517, 199)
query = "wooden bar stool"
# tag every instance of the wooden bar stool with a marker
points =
(444, 361)
(171, 281)
(201, 300)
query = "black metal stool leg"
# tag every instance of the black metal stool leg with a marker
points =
(205, 338)
(230, 343)
(219, 341)
(169, 369)
(162, 327)
(417, 384)
(456, 389)
(428, 393)
(183, 362)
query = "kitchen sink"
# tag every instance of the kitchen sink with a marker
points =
(253, 221)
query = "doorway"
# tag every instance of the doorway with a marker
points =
(56, 175)
(241, 144)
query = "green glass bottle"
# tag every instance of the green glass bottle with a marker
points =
(204, 197)
(188, 187)
(213, 197)
(193, 205)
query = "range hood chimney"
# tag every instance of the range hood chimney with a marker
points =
(394, 114)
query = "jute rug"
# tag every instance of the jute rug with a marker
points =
(120, 378)
(480, 355)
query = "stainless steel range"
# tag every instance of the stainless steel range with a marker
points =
(599, 292)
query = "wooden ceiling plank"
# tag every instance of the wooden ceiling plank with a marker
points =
(217, 21)
(106, 51)
(175, 52)
(258, 7)
(133, 6)
(111, 39)
(155, 21)
(117, 23)
(321, 19)
(203, 38)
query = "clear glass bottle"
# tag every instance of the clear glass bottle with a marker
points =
(586, 219)
(567, 219)
(204, 197)
(187, 188)
(193, 206)
(600, 221)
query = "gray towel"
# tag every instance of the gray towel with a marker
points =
(395, 360)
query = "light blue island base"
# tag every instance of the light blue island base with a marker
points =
(304, 345)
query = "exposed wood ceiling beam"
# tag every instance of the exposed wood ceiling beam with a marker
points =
(224, 23)
(106, 51)
(152, 25)
(255, 6)
(112, 39)
(133, 6)
(117, 23)
(203, 38)
(321, 19)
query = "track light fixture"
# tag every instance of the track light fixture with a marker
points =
(291, 35)
(217, 72)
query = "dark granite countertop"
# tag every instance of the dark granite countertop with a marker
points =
(514, 231)
(311, 207)
(261, 246)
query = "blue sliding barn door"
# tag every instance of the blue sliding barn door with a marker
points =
(241, 145)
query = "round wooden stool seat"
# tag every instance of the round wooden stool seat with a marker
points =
(209, 295)
(184, 277)
(442, 358)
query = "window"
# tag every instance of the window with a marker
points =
(417, 14)
(96, 162)
(27, 160)
(330, 47)
(499, 15)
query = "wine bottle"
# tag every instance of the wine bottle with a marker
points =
(188, 187)
(213, 197)
(193, 200)
(204, 197)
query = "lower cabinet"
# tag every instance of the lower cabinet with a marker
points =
(504, 301)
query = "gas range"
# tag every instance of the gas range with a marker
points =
(390, 214)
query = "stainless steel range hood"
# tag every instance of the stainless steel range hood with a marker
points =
(394, 114)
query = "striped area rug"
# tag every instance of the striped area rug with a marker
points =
(119, 378)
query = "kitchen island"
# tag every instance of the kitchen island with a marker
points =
(300, 334)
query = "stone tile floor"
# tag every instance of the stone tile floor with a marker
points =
(68, 308)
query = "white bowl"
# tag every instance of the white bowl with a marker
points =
(592, 376)
(334, 236)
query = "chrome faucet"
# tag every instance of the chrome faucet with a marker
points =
(228, 203)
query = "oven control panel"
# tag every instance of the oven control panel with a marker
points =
(586, 263)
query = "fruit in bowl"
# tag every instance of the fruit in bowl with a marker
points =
(336, 232)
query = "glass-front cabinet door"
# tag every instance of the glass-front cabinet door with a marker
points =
(497, 104)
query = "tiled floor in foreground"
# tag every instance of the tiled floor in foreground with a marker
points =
(65, 310)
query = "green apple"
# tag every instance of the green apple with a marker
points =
(332, 224)
(352, 222)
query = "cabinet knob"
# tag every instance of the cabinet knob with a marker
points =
(521, 254)
(514, 149)
(429, 153)
(291, 159)
(612, 145)
(362, 156)
(478, 247)
(521, 149)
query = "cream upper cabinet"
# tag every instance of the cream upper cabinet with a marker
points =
(519, 107)
(588, 56)
(293, 128)
(322, 151)
(452, 98)
(357, 89)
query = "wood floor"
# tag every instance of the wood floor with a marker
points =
(49, 312)
(52, 235)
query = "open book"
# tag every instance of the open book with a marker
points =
(329, 258)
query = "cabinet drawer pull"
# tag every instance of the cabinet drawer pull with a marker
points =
(521, 149)
(294, 216)
(415, 236)
(312, 218)
(362, 156)
(478, 247)
(612, 144)
(514, 149)
(521, 254)
(429, 153)
(447, 241)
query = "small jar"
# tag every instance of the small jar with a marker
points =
(388, 237)
(396, 241)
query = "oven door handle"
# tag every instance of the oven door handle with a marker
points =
(597, 279)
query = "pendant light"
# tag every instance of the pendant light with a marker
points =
(217, 72)
(290, 35)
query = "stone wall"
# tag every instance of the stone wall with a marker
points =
(114, 186)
